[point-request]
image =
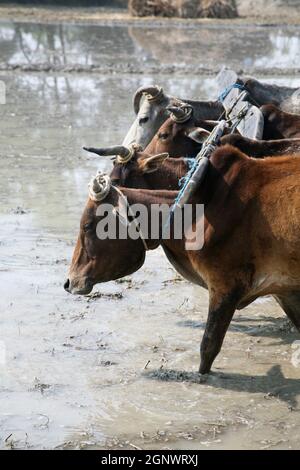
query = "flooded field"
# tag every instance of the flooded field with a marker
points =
(180, 48)
(118, 368)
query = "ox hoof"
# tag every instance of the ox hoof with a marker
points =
(202, 378)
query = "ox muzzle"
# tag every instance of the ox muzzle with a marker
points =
(79, 286)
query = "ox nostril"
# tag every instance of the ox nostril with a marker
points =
(67, 285)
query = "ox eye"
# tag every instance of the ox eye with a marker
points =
(163, 135)
(143, 120)
(88, 226)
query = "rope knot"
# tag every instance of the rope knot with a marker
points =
(132, 149)
(158, 96)
(180, 113)
(99, 186)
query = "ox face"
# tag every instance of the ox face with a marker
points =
(94, 260)
(150, 106)
(135, 173)
(178, 139)
(150, 116)
(131, 166)
(175, 139)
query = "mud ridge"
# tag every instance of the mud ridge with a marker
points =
(151, 70)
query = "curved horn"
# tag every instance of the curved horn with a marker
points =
(180, 113)
(124, 154)
(154, 93)
(108, 151)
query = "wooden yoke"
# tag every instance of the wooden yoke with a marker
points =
(234, 98)
(240, 115)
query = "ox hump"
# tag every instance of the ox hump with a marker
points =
(225, 156)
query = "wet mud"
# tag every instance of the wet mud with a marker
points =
(118, 368)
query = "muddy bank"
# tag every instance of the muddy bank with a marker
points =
(149, 50)
(184, 8)
(258, 12)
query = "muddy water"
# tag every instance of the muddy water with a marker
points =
(117, 369)
(180, 47)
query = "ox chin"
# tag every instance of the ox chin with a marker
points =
(80, 287)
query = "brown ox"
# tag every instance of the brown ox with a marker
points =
(262, 148)
(134, 167)
(150, 105)
(279, 124)
(251, 241)
(181, 134)
(143, 170)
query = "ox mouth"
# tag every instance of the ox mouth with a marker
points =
(84, 291)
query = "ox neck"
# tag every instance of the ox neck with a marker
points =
(169, 175)
(133, 218)
(148, 198)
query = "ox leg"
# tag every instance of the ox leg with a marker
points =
(219, 317)
(290, 303)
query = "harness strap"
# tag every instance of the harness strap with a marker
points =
(237, 119)
(132, 215)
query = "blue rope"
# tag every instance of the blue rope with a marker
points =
(182, 183)
(224, 93)
(190, 161)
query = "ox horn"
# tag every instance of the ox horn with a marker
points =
(154, 93)
(180, 114)
(124, 154)
(99, 186)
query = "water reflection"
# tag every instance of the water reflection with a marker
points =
(139, 48)
(62, 44)
(285, 51)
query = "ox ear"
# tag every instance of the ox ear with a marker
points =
(151, 164)
(198, 134)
